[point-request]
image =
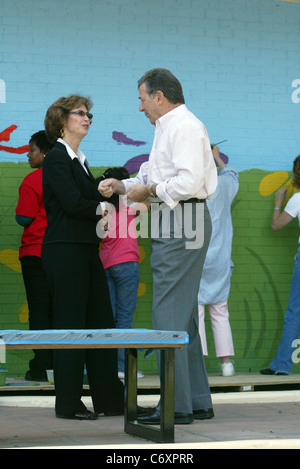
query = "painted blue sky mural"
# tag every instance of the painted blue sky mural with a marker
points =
(238, 62)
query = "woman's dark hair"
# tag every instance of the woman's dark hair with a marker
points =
(117, 172)
(296, 171)
(160, 79)
(59, 111)
(41, 141)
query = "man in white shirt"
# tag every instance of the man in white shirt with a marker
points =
(179, 176)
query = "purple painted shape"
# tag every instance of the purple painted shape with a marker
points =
(119, 137)
(224, 158)
(133, 165)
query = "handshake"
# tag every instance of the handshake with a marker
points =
(136, 193)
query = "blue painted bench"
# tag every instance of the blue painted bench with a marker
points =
(132, 340)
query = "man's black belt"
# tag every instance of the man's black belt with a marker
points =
(201, 201)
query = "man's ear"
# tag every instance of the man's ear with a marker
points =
(160, 97)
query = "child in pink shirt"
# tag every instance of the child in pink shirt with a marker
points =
(120, 256)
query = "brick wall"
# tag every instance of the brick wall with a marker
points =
(238, 62)
(260, 281)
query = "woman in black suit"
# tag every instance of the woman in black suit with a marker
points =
(71, 260)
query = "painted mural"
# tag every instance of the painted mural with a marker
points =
(5, 137)
(258, 295)
(238, 62)
(10, 257)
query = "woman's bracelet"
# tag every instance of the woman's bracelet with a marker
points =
(276, 208)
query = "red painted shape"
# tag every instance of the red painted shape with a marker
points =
(5, 136)
(19, 150)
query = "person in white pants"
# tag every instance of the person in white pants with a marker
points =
(219, 317)
(215, 281)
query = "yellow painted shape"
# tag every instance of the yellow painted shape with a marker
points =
(142, 289)
(142, 254)
(10, 258)
(291, 190)
(142, 285)
(24, 313)
(272, 182)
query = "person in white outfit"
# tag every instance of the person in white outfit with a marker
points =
(215, 281)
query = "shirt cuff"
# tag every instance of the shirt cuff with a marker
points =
(162, 194)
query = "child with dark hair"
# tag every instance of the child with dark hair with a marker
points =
(120, 256)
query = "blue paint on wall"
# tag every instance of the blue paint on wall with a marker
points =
(238, 62)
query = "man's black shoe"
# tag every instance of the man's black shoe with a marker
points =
(145, 410)
(154, 418)
(85, 415)
(203, 414)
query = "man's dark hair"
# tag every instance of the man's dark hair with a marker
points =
(160, 79)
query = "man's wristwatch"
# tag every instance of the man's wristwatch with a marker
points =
(151, 190)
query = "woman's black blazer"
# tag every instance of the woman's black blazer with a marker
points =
(71, 199)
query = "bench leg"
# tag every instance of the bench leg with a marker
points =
(167, 395)
(164, 434)
(130, 385)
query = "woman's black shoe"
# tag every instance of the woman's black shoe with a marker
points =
(42, 378)
(85, 415)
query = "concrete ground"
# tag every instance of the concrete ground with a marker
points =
(243, 420)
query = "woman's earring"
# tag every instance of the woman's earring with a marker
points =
(62, 133)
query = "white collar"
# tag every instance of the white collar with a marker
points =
(72, 153)
(164, 120)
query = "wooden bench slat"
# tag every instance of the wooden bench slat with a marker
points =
(109, 338)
